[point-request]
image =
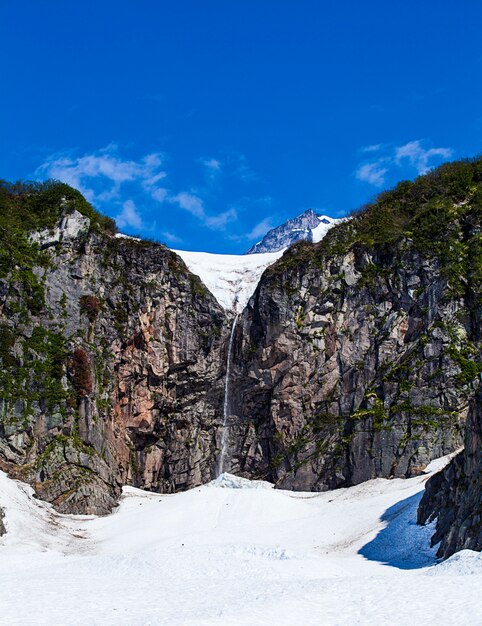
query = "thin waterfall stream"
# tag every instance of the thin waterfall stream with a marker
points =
(226, 405)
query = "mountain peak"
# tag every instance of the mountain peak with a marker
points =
(308, 226)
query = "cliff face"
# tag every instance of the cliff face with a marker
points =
(112, 368)
(356, 357)
(453, 497)
(352, 370)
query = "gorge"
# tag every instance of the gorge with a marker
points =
(356, 357)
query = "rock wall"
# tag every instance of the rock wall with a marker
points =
(453, 497)
(355, 358)
(114, 376)
(349, 371)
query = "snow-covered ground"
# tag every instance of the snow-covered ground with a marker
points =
(231, 554)
(231, 278)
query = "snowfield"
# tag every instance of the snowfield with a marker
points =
(231, 278)
(233, 552)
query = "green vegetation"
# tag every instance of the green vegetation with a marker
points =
(35, 375)
(440, 212)
(197, 286)
(29, 206)
(377, 413)
(464, 357)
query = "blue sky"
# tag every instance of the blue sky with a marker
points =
(204, 123)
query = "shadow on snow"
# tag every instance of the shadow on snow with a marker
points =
(402, 543)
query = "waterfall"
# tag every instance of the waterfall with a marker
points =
(226, 407)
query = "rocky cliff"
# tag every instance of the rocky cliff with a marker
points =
(112, 361)
(356, 357)
(453, 497)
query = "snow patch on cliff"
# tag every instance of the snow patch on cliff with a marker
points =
(231, 278)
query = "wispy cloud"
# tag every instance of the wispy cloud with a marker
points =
(419, 157)
(212, 165)
(129, 216)
(194, 204)
(213, 169)
(375, 147)
(233, 164)
(373, 173)
(221, 220)
(170, 237)
(134, 190)
(100, 175)
(189, 202)
(412, 155)
(260, 229)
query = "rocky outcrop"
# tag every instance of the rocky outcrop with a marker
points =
(358, 357)
(453, 497)
(3, 530)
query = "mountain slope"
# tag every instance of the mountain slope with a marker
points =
(109, 364)
(306, 227)
(358, 357)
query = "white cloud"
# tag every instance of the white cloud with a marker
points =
(159, 194)
(220, 221)
(129, 216)
(419, 157)
(212, 164)
(372, 148)
(411, 154)
(189, 202)
(373, 173)
(99, 175)
(193, 204)
(213, 168)
(124, 186)
(171, 237)
(260, 229)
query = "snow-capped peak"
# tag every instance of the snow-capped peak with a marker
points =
(308, 226)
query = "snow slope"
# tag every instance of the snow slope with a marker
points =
(229, 554)
(323, 227)
(231, 278)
